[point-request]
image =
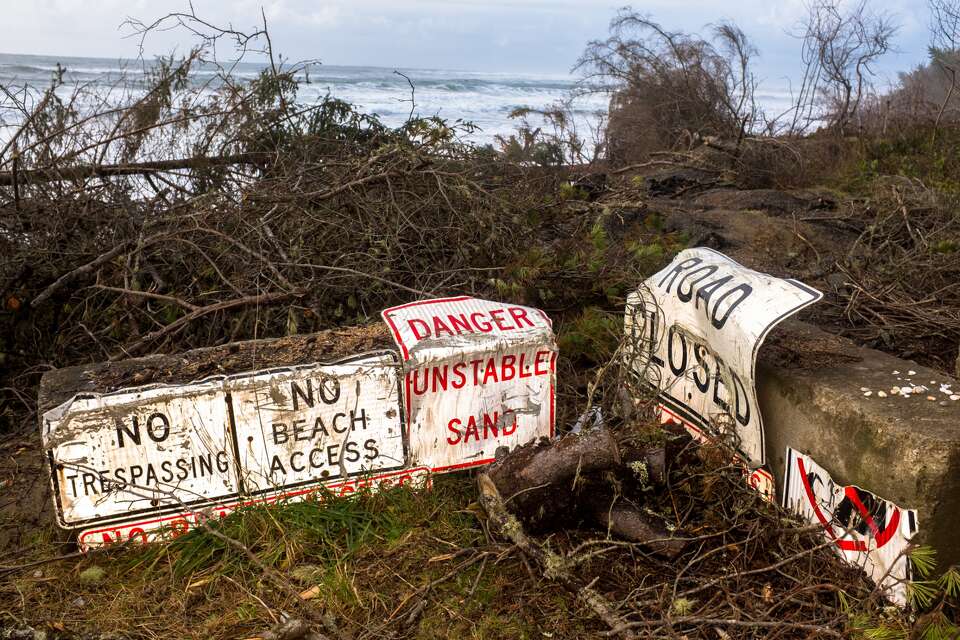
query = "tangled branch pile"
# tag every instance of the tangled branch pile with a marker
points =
(187, 208)
(900, 289)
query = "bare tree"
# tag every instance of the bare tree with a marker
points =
(669, 87)
(839, 47)
(944, 45)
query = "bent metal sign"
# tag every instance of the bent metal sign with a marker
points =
(693, 332)
(145, 462)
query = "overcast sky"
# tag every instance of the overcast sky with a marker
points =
(540, 36)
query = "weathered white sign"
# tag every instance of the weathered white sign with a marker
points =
(693, 332)
(869, 532)
(478, 375)
(165, 527)
(139, 463)
(140, 451)
(318, 422)
(146, 455)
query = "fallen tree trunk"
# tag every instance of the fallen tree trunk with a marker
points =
(79, 172)
(628, 523)
(539, 474)
(546, 484)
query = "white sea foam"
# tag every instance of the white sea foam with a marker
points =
(483, 98)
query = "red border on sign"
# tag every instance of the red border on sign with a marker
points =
(396, 332)
(222, 508)
(463, 465)
(386, 313)
(407, 395)
(881, 537)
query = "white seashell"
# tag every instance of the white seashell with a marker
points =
(881, 394)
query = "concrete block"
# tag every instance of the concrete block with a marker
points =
(828, 398)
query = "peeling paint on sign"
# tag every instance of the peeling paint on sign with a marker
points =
(167, 449)
(478, 375)
(162, 528)
(693, 332)
(320, 422)
(869, 531)
(138, 450)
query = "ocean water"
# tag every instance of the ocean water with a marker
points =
(484, 99)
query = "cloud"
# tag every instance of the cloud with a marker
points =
(495, 35)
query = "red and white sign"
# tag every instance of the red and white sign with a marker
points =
(163, 528)
(869, 531)
(478, 375)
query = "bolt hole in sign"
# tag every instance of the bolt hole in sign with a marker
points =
(477, 375)
(693, 331)
(869, 532)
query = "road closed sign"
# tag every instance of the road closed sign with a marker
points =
(693, 331)
(477, 375)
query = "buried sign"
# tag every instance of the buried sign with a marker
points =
(166, 527)
(693, 332)
(869, 532)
